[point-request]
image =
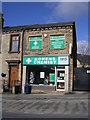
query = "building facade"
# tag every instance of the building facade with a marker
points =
(41, 55)
(1, 25)
(49, 54)
(11, 56)
(83, 61)
(0, 64)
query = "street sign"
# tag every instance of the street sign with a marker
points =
(57, 42)
(35, 42)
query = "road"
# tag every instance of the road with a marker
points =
(45, 106)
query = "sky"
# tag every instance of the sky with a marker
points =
(26, 13)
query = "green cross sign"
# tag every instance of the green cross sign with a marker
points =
(35, 42)
(28, 60)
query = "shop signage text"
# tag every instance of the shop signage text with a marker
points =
(46, 60)
(63, 60)
(57, 42)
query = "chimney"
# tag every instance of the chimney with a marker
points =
(1, 20)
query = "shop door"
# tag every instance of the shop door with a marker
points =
(13, 76)
(62, 79)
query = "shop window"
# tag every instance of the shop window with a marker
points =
(44, 75)
(61, 75)
(35, 42)
(14, 43)
(60, 79)
(57, 41)
(60, 85)
(51, 77)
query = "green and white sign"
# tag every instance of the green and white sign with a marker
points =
(51, 77)
(35, 42)
(46, 60)
(57, 42)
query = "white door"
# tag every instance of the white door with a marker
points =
(62, 79)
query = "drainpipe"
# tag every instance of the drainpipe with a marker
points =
(22, 58)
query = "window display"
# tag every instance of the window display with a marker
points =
(32, 77)
(41, 75)
(61, 75)
(51, 77)
(45, 81)
(60, 85)
(60, 79)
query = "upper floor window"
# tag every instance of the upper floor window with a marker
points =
(35, 42)
(57, 41)
(14, 46)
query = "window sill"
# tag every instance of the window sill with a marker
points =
(14, 52)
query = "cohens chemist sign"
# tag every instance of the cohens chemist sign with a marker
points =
(45, 60)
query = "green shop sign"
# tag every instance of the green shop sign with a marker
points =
(35, 42)
(46, 60)
(57, 42)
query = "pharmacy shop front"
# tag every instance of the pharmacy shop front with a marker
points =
(46, 71)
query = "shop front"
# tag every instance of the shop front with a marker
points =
(46, 71)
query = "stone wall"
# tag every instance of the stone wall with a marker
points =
(68, 32)
(46, 42)
(0, 73)
(9, 56)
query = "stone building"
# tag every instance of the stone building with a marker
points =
(1, 25)
(0, 67)
(42, 55)
(11, 56)
(49, 53)
(83, 61)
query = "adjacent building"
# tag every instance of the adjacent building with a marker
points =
(83, 61)
(0, 58)
(1, 25)
(11, 56)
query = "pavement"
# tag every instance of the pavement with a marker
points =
(72, 105)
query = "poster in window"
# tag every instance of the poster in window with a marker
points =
(42, 74)
(57, 42)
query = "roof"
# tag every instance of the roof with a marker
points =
(36, 26)
(84, 59)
